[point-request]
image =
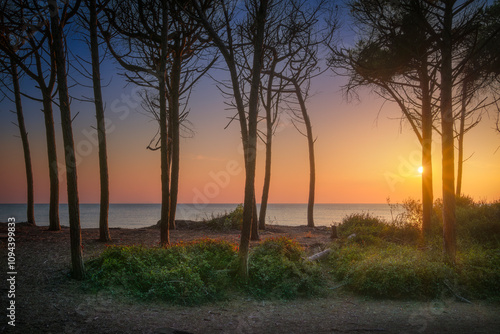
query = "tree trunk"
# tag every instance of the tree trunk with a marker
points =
(30, 212)
(78, 270)
(174, 115)
(267, 175)
(165, 166)
(427, 192)
(101, 125)
(255, 222)
(447, 121)
(461, 135)
(251, 143)
(50, 135)
(269, 143)
(310, 144)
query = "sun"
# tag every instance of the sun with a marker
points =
(420, 170)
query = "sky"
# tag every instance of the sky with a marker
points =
(364, 154)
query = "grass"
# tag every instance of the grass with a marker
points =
(184, 273)
(205, 271)
(372, 258)
(277, 269)
(390, 260)
(389, 271)
(228, 221)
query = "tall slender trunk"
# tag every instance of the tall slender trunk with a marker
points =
(78, 270)
(267, 175)
(255, 222)
(310, 144)
(461, 135)
(30, 212)
(165, 166)
(269, 144)
(447, 121)
(50, 134)
(251, 143)
(174, 115)
(101, 125)
(427, 192)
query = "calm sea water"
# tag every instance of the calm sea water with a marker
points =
(142, 215)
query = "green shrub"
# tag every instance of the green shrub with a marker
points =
(369, 230)
(277, 269)
(393, 271)
(361, 224)
(479, 272)
(227, 221)
(480, 222)
(204, 270)
(187, 274)
(477, 222)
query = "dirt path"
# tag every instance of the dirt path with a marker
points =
(47, 301)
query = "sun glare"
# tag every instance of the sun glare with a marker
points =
(420, 169)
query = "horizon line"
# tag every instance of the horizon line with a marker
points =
(200, 204)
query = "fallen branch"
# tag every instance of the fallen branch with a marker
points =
(338, 286)
(319, 255)
(462, 299)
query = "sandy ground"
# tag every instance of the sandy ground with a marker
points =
(48, 301)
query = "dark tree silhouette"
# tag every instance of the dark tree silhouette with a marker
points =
(57, 24)
(32, 54)
(397, 58)
(9, 44)
(160, 50)
(89, 23)
(435, 56)
(302, 33)
(224, 28)
(26, 147)
(270, 99)
(101, 124)
(295, 34)
(477, 77)
(10, 67)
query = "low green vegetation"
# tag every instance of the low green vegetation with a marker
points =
(228, 221)
(372, 258)
(203, 271)
(184, 273)
(389, 259)
(277, 269)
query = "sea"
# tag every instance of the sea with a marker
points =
(144, 215)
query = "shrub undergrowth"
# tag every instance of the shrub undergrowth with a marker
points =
(372, 257)
(205, 270)
(184, 273)
(277, 269)
(390, 259)
(228, 221)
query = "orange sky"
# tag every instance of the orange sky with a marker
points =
(359, 159)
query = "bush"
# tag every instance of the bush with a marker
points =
(186, 274)
(277, 269)
(371, 230)
(475, 221)
(227, 221)
(479, 272)
(393, 271)
(204, 270)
